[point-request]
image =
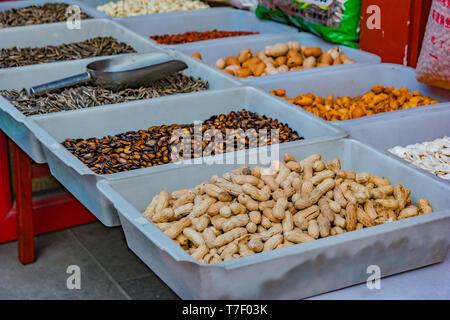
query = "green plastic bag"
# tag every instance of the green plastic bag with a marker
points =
(334, 20)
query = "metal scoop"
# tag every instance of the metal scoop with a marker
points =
(119, 73)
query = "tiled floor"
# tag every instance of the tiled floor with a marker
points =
(109, 270)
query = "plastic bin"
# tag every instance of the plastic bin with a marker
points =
(15, 124)
(405, 129)
(52, 129)
(95, 3)
(57, 33)
(222, 48)
(297, 271)
(355, 82)
(196, 20)
(25, 3)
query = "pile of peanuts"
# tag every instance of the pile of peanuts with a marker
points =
(247, 211)
(281, 57)
(380, 99)
(127, 8)
(193, 36)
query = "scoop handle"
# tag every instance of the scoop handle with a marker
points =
(61, 83)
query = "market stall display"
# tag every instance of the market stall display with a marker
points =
(165, 161)
(126, 8)
(338, 89)
(397, 133)
(281, 57)
(380, 99)
(14, 83)
(252, 210)
(304, 51)
(181, 22)
(80, 180)
(338, 261)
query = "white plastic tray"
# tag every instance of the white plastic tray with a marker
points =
(352, 83)
(222, 48)
(405, 129)
(53, 129)
(227, 19)
(95, 3)
(25, 76)
(297, 271)
(15, 124)
(57, 33)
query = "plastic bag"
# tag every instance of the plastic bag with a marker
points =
(335, 20)
(433, 66)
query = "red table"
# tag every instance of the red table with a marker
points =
(26, 218)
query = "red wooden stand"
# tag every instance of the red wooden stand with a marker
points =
(5, 184)
(401, 32)
(24, 204)
(26, 217)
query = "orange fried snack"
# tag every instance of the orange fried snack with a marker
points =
(380, 99)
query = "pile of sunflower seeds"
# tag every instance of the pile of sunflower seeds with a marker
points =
(47, 13)
(87, 96)
(100, 46)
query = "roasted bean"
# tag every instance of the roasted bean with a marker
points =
(192, 36)
(108, 154)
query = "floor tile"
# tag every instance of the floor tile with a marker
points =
(148, 288)
(108, 246)
(47, 277)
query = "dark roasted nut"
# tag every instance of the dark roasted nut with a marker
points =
(156, 146)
